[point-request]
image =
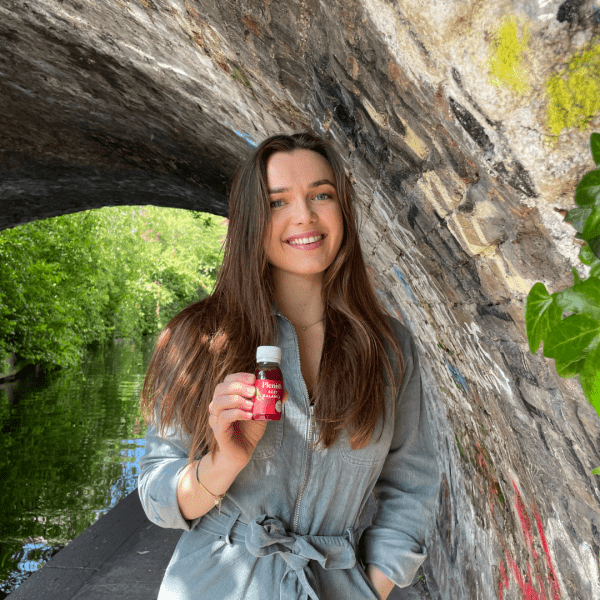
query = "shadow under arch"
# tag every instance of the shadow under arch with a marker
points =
(44, 191)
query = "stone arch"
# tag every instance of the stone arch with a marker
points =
(457, 194)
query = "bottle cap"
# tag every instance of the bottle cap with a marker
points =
(268, 354)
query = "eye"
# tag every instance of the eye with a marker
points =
(323, 196)
(276, 203)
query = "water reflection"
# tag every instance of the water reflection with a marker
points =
(69, 451)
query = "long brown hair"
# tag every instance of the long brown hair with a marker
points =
(219, 335)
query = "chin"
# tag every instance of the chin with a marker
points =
(300, 272)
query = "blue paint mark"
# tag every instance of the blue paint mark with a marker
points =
(405, 284)
(399, 273)
(247, 139)
(457, 376)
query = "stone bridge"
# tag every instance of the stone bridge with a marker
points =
(462, 188)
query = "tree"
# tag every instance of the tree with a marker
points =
(119, 272)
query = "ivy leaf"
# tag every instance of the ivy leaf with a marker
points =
(595, 270)
(576, 278)
(566, 370)
(590, 378)
(541, 315)
(570, 338)
(591, 229)
(594, 244)
(587, 257)
(577, 217)
(583, 297)
(595, 144)
(588, 189)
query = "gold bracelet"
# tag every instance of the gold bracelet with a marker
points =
(217, 498)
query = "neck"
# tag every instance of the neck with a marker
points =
(299, 298)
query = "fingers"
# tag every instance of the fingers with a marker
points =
(241, 377)
(234, 388)
(221, 403)
(226, 416)
(234, 396)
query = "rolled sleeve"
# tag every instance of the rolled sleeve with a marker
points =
(407, 487)
(160, 469)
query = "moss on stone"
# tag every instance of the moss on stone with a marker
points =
(240, 75)
(459, 446)
(498, 491)
(506, 60)
(574, 93)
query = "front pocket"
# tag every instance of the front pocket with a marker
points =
(271, 441)
(367, 581)
(373, 454)
(376, 451)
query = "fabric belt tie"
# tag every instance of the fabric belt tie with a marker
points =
(266, 535)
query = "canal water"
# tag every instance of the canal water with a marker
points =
(69, 451)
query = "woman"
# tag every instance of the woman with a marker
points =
(277, 509)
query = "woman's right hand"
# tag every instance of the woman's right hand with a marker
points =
(231, 418)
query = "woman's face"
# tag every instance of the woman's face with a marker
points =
(307, 226)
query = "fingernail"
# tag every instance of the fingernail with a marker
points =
(249, 404)
(251, 391)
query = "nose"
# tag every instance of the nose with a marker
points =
(303, 211)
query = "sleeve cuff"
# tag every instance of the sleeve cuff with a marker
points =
(162, 508)
(398, 561)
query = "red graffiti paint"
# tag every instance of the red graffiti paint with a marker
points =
(554, 580)
(503, 580)
(530, 590)
(523, 517)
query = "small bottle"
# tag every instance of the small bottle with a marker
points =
(269, 384)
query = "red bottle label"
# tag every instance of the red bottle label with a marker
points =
(269, 395)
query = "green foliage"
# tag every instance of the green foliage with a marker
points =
(506, 59)
(574, 341)
(119, 272)
(541, 314)
(574, 93)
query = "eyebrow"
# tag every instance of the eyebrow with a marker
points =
(314, 184)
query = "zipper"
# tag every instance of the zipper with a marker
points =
(310, 436)
(306, 473)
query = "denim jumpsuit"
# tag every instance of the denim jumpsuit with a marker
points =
(292, 524)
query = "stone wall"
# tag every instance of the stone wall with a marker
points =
(461, 186)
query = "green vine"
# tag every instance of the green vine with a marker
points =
(573, 341)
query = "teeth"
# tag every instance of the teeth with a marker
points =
(307, 240)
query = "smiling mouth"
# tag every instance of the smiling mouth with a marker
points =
(306, 240)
